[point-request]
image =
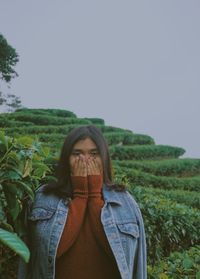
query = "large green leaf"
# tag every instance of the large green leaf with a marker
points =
(15, 243)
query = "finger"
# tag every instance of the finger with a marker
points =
(89, 168)
(82, 168)
(93, 168)
(74, 166)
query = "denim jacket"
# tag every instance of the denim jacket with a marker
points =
(123, 226)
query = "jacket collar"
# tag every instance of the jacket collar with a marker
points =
(110, 196)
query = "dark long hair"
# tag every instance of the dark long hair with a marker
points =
(63, 184)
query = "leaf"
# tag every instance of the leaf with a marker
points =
(187, 263)
(10, 175)
(4, 140)
(15, 243)
(27, 168)
(25, 141)
(26, 188)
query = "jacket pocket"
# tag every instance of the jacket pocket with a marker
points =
(40, 213)
(129, 229)
(40, 222)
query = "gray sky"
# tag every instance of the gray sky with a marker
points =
(136, 64)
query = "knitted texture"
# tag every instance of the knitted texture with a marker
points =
(84, 251)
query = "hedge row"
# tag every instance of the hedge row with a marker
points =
(44, 119)
(95, 121)
(185, 264)
(4, 123)
(188, 198)
(124, 138)
(150, 180)
(169, 226)
(127, 138)
(51, 129)
(141, 152)
(51, 112)
(174, 167)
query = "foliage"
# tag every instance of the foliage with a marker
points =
(126, 138)
(11, 101)
(185, 264)
(188, 198)
(149, 180)
(53, 129)
(8, 59)
(22, 170)
(96, 120)
(50, 112)
(169, 226)
(141, 152)
(45, 119)
(173, 167)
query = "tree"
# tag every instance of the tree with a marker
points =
(8, 59)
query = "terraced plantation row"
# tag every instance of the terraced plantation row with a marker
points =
(165, 186)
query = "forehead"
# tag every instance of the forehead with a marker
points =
(85, 144)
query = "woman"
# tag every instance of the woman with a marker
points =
(84, 226)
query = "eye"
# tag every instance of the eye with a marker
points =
(94, 153)
(75, 153)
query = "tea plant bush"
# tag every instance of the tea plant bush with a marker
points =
(185, 264)
(22, 169)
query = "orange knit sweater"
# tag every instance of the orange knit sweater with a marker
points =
(84, 251)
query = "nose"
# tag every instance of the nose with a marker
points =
(85, 156)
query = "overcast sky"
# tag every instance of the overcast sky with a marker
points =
(136, 64)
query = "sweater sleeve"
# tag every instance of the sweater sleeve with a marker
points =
(77, 208)
(95, 204)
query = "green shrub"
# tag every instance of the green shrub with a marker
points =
(141, 152)
(5, 122)
(149, 180)
(22, 170)
(185, 264)
(188, 198)
(174, 167)
(51, 129)
(51, 112)
(95, 120)
(45, 119)
(125, 138)
(169, 226)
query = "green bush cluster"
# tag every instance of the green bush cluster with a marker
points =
(127, 138)
(22, 170)
(96, 121)
(149, 180)
(45, 119)
(169, 226)
(141, 152)
(51, 112)
(185, 264)
(173, 167)
(5, 123)
(51, 129)
(188, 198)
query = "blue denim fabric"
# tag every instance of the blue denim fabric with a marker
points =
(123, 226)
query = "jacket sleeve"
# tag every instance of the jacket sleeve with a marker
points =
(140, 272)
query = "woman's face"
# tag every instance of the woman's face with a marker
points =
(87, 149)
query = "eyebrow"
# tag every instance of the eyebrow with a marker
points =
(78, 149)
